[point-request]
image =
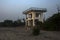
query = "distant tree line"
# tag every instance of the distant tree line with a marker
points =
(11, 23)
(52, 23)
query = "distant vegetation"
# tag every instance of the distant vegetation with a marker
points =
(11, 23)
(52, 23)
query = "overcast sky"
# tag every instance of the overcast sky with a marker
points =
(12, 9)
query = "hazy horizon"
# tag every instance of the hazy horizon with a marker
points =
(13, 9)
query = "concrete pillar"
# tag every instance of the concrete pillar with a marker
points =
(26, 20)
(33, 22)
(41, 17)
(29, 23)
(33, 18)
(33, 15)
(25, 23)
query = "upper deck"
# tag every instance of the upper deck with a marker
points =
(35, 10)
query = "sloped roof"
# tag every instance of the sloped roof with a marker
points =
(33, 9)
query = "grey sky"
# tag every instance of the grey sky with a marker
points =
(12, 9)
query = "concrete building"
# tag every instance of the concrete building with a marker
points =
(33, 14)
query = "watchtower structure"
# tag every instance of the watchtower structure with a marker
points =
(33, 14)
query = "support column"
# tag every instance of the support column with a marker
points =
(26, 20)
(25, 23)
(41, 17)
(28, 23)
(33, 18)
(33, 22)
